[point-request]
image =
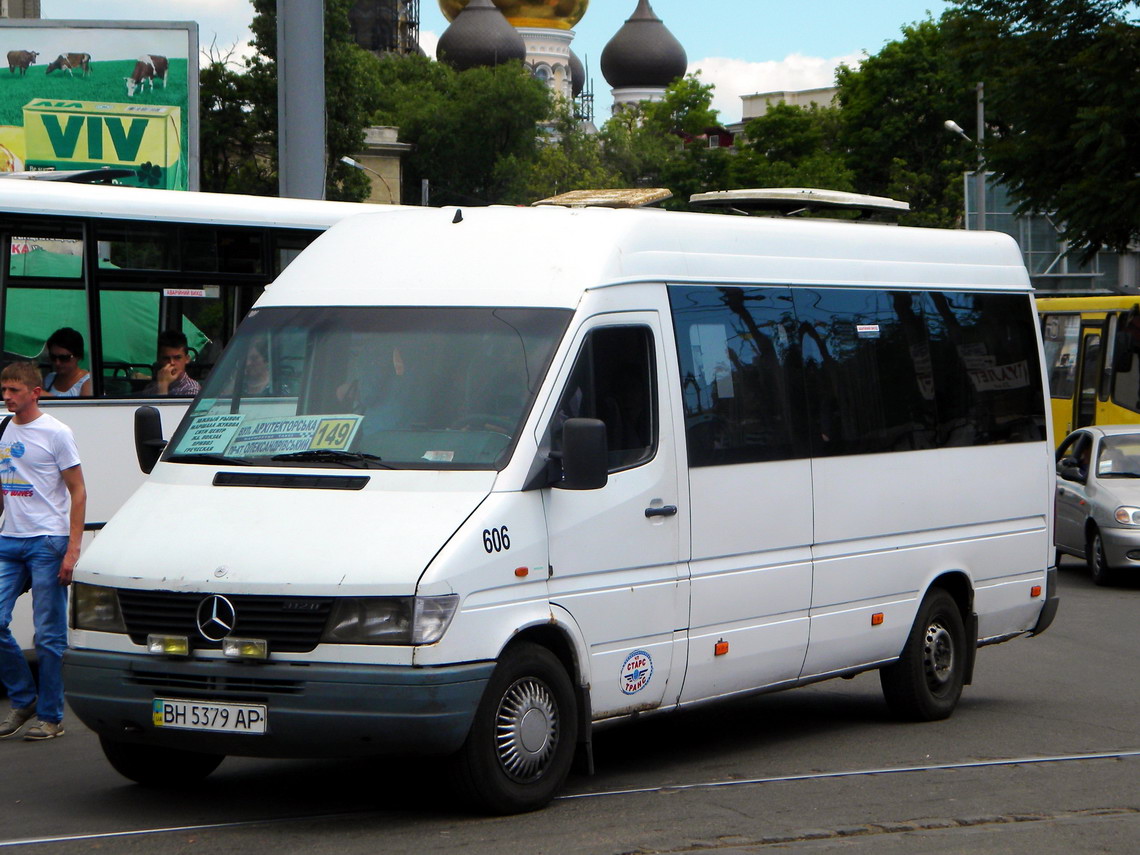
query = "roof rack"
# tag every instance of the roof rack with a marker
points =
(624, 197)
(790, 201)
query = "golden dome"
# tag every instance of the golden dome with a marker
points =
(547, 14)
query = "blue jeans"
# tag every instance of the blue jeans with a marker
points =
(37, 559)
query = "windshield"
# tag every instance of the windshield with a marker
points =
(1119, 457)
(406, 388)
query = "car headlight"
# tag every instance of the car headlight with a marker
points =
(390, 620)
(97, 608)
(1127, 516)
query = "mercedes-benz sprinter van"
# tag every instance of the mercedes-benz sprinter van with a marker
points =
(469, 482)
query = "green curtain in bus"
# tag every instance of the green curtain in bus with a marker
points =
(130, 318)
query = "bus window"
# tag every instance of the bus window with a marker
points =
(33, 314)
(46, 257)
(131, 320)
(1090, 371)
(1062, 335)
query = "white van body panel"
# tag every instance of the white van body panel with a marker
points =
(880, 516)
(555, 255)
(751, 576)
(374, 541)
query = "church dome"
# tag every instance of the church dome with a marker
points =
(480, 35)
(577, 75)
(544, 14)
(643, 53)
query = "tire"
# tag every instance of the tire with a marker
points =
(1098, 563)
(522, 740)
(926, 682)
(158, 767)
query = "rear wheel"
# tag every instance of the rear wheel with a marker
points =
(158, 767)
(926, 682)
(1098, 563)
(522, 741)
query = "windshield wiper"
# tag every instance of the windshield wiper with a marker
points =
(325, 455)
(207, 458)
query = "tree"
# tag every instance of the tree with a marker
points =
(464, 125)
(235, 153)
(892, 112)
(663, 143)
(1063, 107)
(239, 111)
(792, 146)
(569, 158)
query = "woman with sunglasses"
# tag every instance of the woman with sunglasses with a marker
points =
(66, 379)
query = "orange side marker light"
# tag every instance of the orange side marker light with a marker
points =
(1035, 592)
(522, 572)
(877, 619)
(720, 648)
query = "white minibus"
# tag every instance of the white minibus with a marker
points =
(471, 482)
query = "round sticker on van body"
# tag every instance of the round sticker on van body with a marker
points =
(636, 672)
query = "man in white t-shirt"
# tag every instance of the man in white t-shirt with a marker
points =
(44, 501)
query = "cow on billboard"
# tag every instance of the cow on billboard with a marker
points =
(147, 69)
(69, 62)
(21, 59)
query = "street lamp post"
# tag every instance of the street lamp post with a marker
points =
(356, 164)
(980, 173)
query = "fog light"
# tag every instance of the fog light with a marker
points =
(1134, 555)
(168, 645)
(245, 648)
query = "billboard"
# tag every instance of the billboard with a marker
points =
(89, 94)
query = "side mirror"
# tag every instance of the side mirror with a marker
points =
(148, 437)
(584, 460)
(1069, 469)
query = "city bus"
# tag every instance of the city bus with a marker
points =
(1090, 356)
(119, 265)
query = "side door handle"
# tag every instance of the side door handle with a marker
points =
(663, 511)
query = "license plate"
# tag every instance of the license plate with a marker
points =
(206, 715)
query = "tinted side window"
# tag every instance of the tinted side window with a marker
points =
(614, 379)
(868, 370)
(779, 373)
(986, 369)
(741, 381)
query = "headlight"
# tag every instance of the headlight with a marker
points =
(390, 620)
(1128, 516)
(97, 608)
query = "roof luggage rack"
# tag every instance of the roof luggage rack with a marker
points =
(623, 197)
(793, 201)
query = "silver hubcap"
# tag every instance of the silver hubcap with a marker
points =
(526, 729)
(938, 656)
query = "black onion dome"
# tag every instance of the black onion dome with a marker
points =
(479, 35)
(577, 75)
(643, 53)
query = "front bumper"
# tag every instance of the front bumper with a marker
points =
(1118, 542)
(313, 710)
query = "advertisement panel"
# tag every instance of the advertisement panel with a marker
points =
(89, 94)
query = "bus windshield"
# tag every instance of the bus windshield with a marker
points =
(406, 388)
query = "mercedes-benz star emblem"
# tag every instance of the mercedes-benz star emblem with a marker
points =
(216, 617)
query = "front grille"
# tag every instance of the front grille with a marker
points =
(289, 624)
(209, 685)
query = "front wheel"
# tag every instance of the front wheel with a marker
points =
(1098, 562)
(522, 740)
(153, 766)
(926, 682)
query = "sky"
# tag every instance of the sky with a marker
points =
(740, 46)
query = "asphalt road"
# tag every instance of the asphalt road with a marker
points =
(1042, 755)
